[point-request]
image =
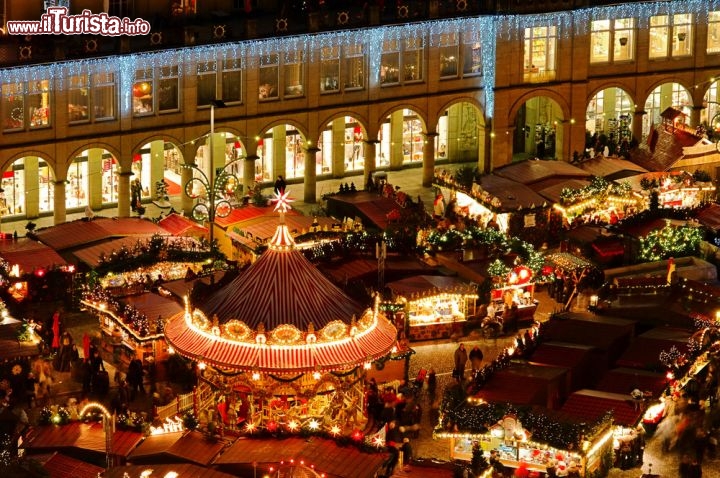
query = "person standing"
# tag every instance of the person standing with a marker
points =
(135, 377)
(461, 358)
(135, 194)
(280, 185)
(476, 358)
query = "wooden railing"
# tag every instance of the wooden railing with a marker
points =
(196, 400)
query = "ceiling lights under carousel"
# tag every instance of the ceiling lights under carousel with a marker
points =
(282, 346)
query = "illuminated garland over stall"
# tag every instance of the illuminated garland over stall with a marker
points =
(670, 241)
(599, 196)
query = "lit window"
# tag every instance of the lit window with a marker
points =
(449, 53)
(539, 57)
(472, 54)
(612, 40)
(26, 105)
(713, 38)
(671, 36)
(401, 61)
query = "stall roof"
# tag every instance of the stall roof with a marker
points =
(624, 380)
(259, 230)
(91, 255)
(192, 447)
(612, 169)
(179, 225)
(182, 469)
(89, 437)
(424, 283)
(346, 271)
(644, 353)
(503, 387)
(599, 332)
(552, 192)
(10, 348)
(535, 170)
(181, 287)
(710, 217)
(29, 254)
(591, 405)
(512, 194)
(62, 466)
(80, 232)
(153, 305)
(326, 455)
(243, 214)
(562, 354)
(368, 205)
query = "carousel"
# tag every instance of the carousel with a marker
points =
(283, 348)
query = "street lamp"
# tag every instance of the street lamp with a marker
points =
(206, 187)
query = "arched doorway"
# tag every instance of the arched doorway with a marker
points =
(158, 161)
(92, 180)
(710, 115)
(461, 131)
(664, 96)
(280, 152)
(27, 188)
(538, 130)
(401, 139)
(342, 146)
(609, 114)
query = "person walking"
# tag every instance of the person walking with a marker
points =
(135, 377)
(461, 358)
(476, 358)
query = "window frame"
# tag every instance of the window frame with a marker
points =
(675, 32)
(531, 72)
(23, 91)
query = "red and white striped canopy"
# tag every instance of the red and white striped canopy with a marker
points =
(282, 288)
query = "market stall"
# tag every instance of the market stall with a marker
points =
(675, 189)
(514, 297)
(600, 202)
(433, 305)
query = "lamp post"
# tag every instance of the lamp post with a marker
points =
(207, 185)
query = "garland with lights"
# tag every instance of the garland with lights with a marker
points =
(669, 242)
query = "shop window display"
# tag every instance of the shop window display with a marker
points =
(26, 105)
(670, 36)
(18, 187)
(143, 103)
(77, 186)
(330, 69)
(109, 178)
(293, 76)
(269, 74)
(449, 52)
(353, 71)
(91, 97)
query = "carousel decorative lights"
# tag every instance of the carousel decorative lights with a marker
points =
(285, 347)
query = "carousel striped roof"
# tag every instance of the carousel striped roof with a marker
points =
(281, 287)
(282, 292)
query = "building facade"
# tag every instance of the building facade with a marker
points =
(487, 89)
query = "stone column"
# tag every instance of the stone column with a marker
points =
(124, 193)
(695, 116)
(370, 145)
(397, 156)
(95, 184)
(59, 209)
(637, 125)
(186, 202)
(428, 168)
(310, 194)
(249, 173)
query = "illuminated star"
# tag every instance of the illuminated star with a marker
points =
(282, 201)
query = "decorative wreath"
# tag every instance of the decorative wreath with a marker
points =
(26, 52)
(91, 46)
(335, 330)
(403, 11)
(281, 24)
(219, 31)
(343, 18)
(156, 38)
(286, 334)
(237, 330)
(17, 369)
(461, 5)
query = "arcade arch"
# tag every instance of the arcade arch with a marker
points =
(27, 188)
(662, 97)
(401, 139)
(538, 130)
(461, 133)
(610, 112)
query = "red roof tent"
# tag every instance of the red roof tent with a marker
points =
(88, 437)
(556, 380)
(609, 335)
(373, 209)
(356, 269)
(326, 456)
(423, 283)
(579, 359)
(153, 305)
(511, 193)
(611, 169)
(62, 466)
(624, 380)
(534, 171)
(710, 217)
(179, 225)
(591, 405)
(182, 469)
(181, 446)
(505, 387)
(248, 212)
(81, 232)
(644, 352)
(29, 254)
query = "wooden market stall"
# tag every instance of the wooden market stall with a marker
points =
(434, 305)
(516, 292)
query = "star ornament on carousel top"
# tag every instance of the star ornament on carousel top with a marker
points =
(282, 201)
